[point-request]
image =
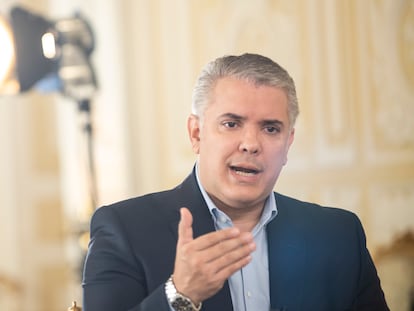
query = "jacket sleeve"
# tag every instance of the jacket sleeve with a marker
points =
(113, 277)
(370, 296)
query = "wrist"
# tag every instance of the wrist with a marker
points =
(178, 301)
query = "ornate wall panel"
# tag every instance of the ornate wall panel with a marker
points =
(390, 27)
(391, 204)
(389, 118)
(10, 237)
(33, 213)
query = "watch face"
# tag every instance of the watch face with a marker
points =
(181, 304)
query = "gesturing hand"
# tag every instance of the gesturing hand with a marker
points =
(203, 264)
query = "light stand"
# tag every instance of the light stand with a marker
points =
(84, 107)
(75, 41)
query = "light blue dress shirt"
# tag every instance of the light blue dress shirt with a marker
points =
(249, 287)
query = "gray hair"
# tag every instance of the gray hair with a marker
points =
(254, 68)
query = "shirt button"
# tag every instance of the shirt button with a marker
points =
(222, 219)
(249, 294)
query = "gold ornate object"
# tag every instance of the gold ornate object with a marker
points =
(74, 307)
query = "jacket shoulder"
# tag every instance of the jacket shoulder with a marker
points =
(286, 204)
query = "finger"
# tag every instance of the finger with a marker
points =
(185, 229)
(227, 258)
(216, 237)
(230, 250)
(228, 270)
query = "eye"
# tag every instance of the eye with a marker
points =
(230, 124)
(272, 129)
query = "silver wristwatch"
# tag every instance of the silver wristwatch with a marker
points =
(178, 301)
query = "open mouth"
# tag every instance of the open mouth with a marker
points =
(243, 171)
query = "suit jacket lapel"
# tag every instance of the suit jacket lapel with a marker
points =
(286, 245)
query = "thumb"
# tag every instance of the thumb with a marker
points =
(185, 229)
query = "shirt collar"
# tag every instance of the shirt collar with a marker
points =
(220, 218)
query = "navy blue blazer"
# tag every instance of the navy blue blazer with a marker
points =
(318, 260)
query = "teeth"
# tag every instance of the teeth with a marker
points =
(244, 171)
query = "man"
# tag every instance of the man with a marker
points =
(223, 240)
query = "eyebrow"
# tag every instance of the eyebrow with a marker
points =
(232, 116)
(237, 117)
(273, 122)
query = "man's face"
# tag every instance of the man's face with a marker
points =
(242, 142)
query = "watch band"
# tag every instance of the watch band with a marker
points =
(178, 301)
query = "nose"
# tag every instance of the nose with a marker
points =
(249, 142)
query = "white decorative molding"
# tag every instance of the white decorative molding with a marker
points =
(391, 131)
(390, 210)
(334, 130)
(349, 197)
(406, 41)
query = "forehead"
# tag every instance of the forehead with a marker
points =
(237, 95)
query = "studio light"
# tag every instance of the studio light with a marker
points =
(47, 55)
(50, 55)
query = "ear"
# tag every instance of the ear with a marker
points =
(289, 143)
(193, 128)
(291, 136)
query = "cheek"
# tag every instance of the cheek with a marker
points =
(279, 158)
(214, 152)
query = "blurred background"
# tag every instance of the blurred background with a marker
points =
(353, 63)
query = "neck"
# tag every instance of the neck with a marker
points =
(245, 225)
(244, 218)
